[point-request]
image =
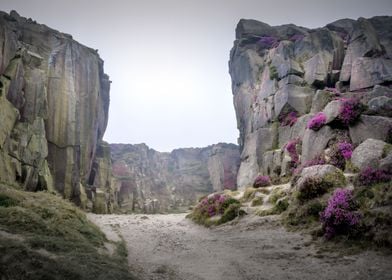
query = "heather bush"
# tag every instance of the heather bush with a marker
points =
(369, 176)
(291, 148)
(296, 37)
(339, 217)
(335, 157)
(346, 149)
(317, 160)
(268, 42)
(221, 206)
(262, 181)
(317, 121)
(350, 110)
(288, 119)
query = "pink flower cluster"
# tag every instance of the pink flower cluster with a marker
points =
(262, 181)
(317, 160)
(346, 149)
(268, 42)
(369, 176)
(317, 121)
(291, 148)
(339, 216)
(350, 110)
(212, 205)
(289, 119)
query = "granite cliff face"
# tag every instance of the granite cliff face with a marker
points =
(54, 98)
(283, 76)
(150, 181)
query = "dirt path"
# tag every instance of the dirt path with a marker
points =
(255, 248)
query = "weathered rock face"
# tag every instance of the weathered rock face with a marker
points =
(282, 76)
(151, 181)
(54, 99)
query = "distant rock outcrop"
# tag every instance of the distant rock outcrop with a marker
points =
(283, 76)
(150, 181)
(54, 98)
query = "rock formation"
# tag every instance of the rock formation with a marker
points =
(150, 181)
(284, 76)
(54, 98)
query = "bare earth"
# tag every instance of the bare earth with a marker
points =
(253, 248)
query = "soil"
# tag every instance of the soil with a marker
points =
(172, 247)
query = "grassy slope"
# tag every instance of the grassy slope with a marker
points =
(43, 236)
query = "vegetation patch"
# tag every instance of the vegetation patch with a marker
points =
(262, 181)
(216, 209)
(340, 215)
(317, 122)
(58, 242)
(312, 188)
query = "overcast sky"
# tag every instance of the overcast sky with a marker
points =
(168, 59)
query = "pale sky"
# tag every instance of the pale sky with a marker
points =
(168, 59)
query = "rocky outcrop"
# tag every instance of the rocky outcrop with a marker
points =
(284, 75)
(150, 181)
(54, 98)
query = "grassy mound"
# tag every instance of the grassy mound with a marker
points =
(216, 209)
(43, 236)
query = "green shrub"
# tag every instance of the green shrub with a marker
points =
(215, 209)
(312, 188)
(257, 201)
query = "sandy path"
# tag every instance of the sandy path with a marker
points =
(255, 248)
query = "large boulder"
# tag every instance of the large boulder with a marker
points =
(375, 127)
(316, 180)
(381, 106)
(367, 72)
(364, 42)
(247, 27)
(320, 100)
(291, 97)
(332, 110)
(368, 153)
(315, 142)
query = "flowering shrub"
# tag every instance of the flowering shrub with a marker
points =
(296, 37)
(369, 176)
(288, 119)
(339, 153)
(317, 121)
(350, 110)
(268, 42)
(346, 149)
(215, 205)
(262, 181)
(291, 148)
(339, 216)
(317, 160)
